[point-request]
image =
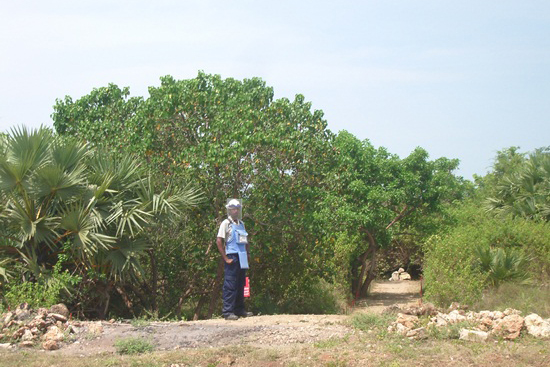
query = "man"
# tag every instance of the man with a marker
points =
(235, 255)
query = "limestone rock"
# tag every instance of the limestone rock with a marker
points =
(60, 309)
(508, 327)
(27, 344)
(8, 318)
(537, 326)
(57, 317)
(27, 335)
(50, 345)
(405, 276)
(53, 333)
(95, 328)
(409, 321)
(473, 335)
(417, 334)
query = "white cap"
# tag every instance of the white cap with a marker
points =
(233, 203)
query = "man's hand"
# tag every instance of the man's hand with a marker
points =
(228, 260)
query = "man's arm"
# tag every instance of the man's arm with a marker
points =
(221, 249)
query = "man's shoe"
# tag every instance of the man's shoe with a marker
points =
(245, 314)
(231, 316)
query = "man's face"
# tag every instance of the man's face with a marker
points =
(234, 212)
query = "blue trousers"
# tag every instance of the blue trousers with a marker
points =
(233, 287)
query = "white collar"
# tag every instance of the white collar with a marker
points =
(232, 221)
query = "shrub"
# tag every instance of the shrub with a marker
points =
(133, 346)
(45, 292)
(482, 251)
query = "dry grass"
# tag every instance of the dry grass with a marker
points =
(360, 349)
(526, 298)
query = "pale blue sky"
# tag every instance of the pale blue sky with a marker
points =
(461, 79)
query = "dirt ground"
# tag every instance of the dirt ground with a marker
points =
(263, 330)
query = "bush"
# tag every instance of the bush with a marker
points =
(526, 298)
(45, 292)
(133, 346)
(454, 267)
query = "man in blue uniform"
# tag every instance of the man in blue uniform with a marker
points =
(235, 255)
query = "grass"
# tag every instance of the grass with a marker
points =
(526, 298)
(390, 351)
(133, 346)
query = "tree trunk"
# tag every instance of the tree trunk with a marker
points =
(197, 313)
(216, 289)
(126, 299)
(154, 281)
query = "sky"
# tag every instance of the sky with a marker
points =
(461, 79)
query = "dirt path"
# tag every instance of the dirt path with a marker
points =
(269, 330)
(386, 293)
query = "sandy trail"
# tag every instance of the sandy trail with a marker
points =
(264, 330)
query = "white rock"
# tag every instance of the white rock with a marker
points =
(537, 326)
(473, 335)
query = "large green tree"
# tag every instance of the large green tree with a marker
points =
(377, 196)
(234, 140)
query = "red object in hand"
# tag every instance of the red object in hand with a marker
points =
(247, 288)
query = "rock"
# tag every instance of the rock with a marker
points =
(473, 335)
(53, 333)
(112, 321)
(42, 313)
(50, 345)
(95, 328)
(60, 309)
(456, 316)
(511, 311)
(509, 327)
(537, 326)
(401, 270)
(27, 344)
(22, 315)
(5, 345)
(19, 333)
(440, 319)
(27, 335)
(58, 317)
(404, 276)
(423, 309)
(417, 334)
(409, 321)
(8, 318)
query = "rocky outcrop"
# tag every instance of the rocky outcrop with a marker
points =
(536, 326)
(400, 275)
(26, 327)
(478, 326)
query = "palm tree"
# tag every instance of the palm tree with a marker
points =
(524, 192)
(60, 196)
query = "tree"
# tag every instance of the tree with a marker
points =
(376, 196)
(524, 188)
(233, 140)
(65, 202)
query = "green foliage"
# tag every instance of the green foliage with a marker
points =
(133, 345)
(304, 189)
(449, 331)
(480, 251)
(528, 298)
(62, 199)
(501, 265)
(371, 321)
(523, 189)
(44, 292)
